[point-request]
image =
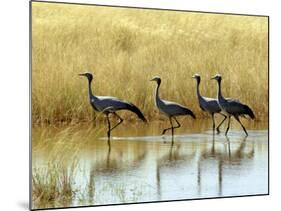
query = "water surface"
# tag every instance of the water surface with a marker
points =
(142, 165)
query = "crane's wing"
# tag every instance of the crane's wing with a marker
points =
(103, 102)
(116, 104)
(236, 108)
(210, 104)
(175, 109)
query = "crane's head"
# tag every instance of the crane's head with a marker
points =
(197, 77)
(87, 75)
(157, 79)
(217, 77)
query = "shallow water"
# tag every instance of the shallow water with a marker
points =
(142, 165)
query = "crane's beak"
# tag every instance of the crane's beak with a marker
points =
(213, 78)
(194, 76)
(82, 74)
(157, 79)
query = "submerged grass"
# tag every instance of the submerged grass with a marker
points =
(65, 162)
(124, 48)
(52, 186)
(55, 164)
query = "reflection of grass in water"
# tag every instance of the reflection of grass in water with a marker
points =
(120, 193)
(125, 48)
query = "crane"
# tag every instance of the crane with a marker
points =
(232, 107)
(209, 105)
(109, 105)
(170, 109)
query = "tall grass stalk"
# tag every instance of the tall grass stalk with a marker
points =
(52, 186)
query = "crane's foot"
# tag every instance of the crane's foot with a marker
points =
(109, 144)
(218, 131)
(245, 131)
(226, 131)
(108, 137)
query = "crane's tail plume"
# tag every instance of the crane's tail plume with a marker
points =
(189, 112)
(192, 114)
(137, 111)
(248, 111)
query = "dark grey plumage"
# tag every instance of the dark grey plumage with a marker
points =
(136, 110)
(109, 105)
(170, 109)
(207, 104)
(232, 107)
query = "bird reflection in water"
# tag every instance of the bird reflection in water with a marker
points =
(113, 163)
(224, 159)
(171, 159)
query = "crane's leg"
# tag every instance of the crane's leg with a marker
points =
(213, 144)
(108, 131)
(179, 125)
(214, 124)
(109, 126)
(229, 117)
(238, 120)
(108, 158)
(171, 151)
(171, 122)
(120, 121)
(170, 128)
(218, 127)
(172, 142)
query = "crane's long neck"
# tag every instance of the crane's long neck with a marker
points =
(157, 98)
(219, 90)
(197, 89)
(90, 89)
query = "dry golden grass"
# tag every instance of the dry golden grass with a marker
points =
(52, 186)
(124, 48)
(54, 166)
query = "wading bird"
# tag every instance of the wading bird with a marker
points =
(209, 105)
(170, 109)
(232, 107)
(109, 105)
